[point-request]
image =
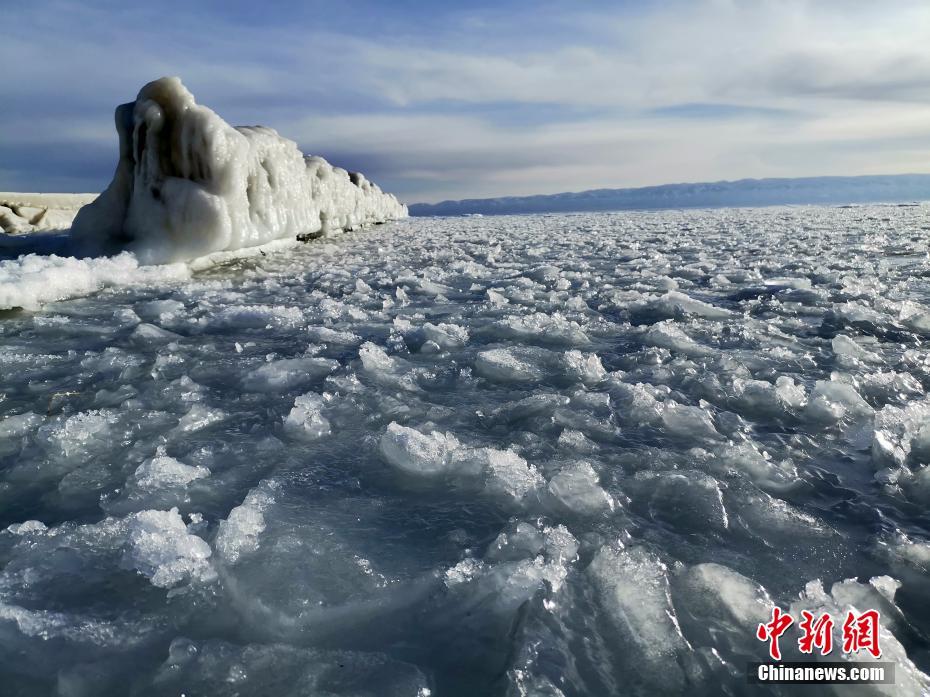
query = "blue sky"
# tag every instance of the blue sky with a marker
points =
(478, 99)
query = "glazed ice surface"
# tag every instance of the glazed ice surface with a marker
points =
(541, 455)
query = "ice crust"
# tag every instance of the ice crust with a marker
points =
(559, 455)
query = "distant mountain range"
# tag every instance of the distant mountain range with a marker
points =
(897, 188)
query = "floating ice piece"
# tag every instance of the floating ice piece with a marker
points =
(188, 184)
(670, 336)
(76, 438)
(541, 404)
(504, 473)
(633, 592)
(161, 548)
(162, 472)
(27, 527)
(675, 304)
(690, 501)
(849, 352)
(148, 334)
(262, 317)
(584, 367)
(522, 561)
(447, 336)
(718, 593)
(688, 422)
(850, 595)
(763, 399)
(503, 365)
(418, 454)
(831, 401)
(757, 465)
(507, 474)
(197, 418)
(288, 373)
(326, 335)
(210, 667)
(18, 425)
(306, 419)
(239, 533)
(901, 436)
(576, 489)
(542, 328)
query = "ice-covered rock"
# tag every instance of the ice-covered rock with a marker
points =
(188, 184)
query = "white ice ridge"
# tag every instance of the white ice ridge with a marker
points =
(188, 184)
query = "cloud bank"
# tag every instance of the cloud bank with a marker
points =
(514, 98)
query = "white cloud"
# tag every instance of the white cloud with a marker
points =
(799, 87)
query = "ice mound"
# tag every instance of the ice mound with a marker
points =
(188, 184)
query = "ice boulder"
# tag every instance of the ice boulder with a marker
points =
(188, 184)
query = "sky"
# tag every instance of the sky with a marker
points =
(465, 100)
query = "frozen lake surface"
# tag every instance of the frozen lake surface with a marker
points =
(538, 455)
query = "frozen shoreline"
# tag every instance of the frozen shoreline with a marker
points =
(22, 213)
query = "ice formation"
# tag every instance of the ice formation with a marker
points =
(26, 213)
(561, 455)
(188, 184)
